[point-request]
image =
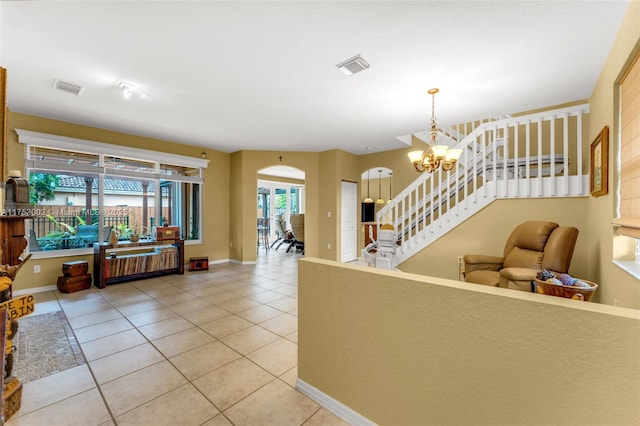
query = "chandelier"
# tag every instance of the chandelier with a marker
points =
(435, 155)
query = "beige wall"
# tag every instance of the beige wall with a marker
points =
(617, 287)
(403, 349)
(323, 173)
(327, 204)
(215, 214)
(487, 231)
(244, 188)
(237, 200)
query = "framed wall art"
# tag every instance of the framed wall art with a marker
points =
(599, 170)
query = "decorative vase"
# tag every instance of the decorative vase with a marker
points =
(134, 238)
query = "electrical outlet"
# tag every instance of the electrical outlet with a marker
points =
(329, 246)
(459, 260)
(328, 214)
(230, 244)
(36, 269)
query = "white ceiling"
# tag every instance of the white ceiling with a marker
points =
(261, 75)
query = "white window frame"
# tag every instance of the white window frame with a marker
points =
(45, 140)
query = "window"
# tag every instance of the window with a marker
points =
(83, 190)
(629, 201)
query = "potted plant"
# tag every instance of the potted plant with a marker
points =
(123, 232)
(136, 232)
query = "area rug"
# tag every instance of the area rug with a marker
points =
(45, 345)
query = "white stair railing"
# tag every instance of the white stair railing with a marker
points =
(535, 155)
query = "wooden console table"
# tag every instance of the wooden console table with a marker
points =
(126, 261)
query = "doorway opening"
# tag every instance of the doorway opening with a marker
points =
(281, 194)
(376, 190)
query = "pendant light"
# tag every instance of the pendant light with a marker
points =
(390, 197)
(379, 200)
(436, 155)
(368, 199)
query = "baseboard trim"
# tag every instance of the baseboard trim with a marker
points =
(336, 407)
(242, 262)
(35, 290)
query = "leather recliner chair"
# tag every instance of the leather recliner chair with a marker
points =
(532, 246)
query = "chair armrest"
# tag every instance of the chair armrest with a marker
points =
(518, 278)
(518, 274)
(477, 262)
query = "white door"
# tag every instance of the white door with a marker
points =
(349, 222)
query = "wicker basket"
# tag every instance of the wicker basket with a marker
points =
(577, 293)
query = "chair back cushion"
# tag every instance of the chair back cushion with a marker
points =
(559, 249)
(526, 244)
(297, 226)
(523, 258)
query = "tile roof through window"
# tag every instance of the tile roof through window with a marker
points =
(76, 183)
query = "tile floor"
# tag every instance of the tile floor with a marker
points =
(203, 348)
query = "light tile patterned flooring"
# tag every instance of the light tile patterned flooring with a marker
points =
(203, 348)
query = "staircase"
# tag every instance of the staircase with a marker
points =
(531, 156)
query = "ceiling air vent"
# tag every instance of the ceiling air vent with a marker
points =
(353, 65)
(67, 87)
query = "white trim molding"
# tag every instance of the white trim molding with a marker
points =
(36, 290)
(335, 406)
(29, 137)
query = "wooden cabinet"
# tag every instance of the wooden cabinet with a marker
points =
(126, 261)
(12, 238)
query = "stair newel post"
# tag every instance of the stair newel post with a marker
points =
(579, 149)
(425, 204)
(516, 150)
(552, 150)
(565, 153)
(527, 124)
(505, 154)
(448, 195)
(494, 149)
(485, 173)
(456, 191)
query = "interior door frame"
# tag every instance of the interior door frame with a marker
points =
(353, 210)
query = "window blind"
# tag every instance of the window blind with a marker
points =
(629, 220)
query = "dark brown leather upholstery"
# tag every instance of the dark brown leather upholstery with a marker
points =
(532, 246)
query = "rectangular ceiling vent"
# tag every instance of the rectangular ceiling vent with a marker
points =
(67, 87)
(353, 65)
